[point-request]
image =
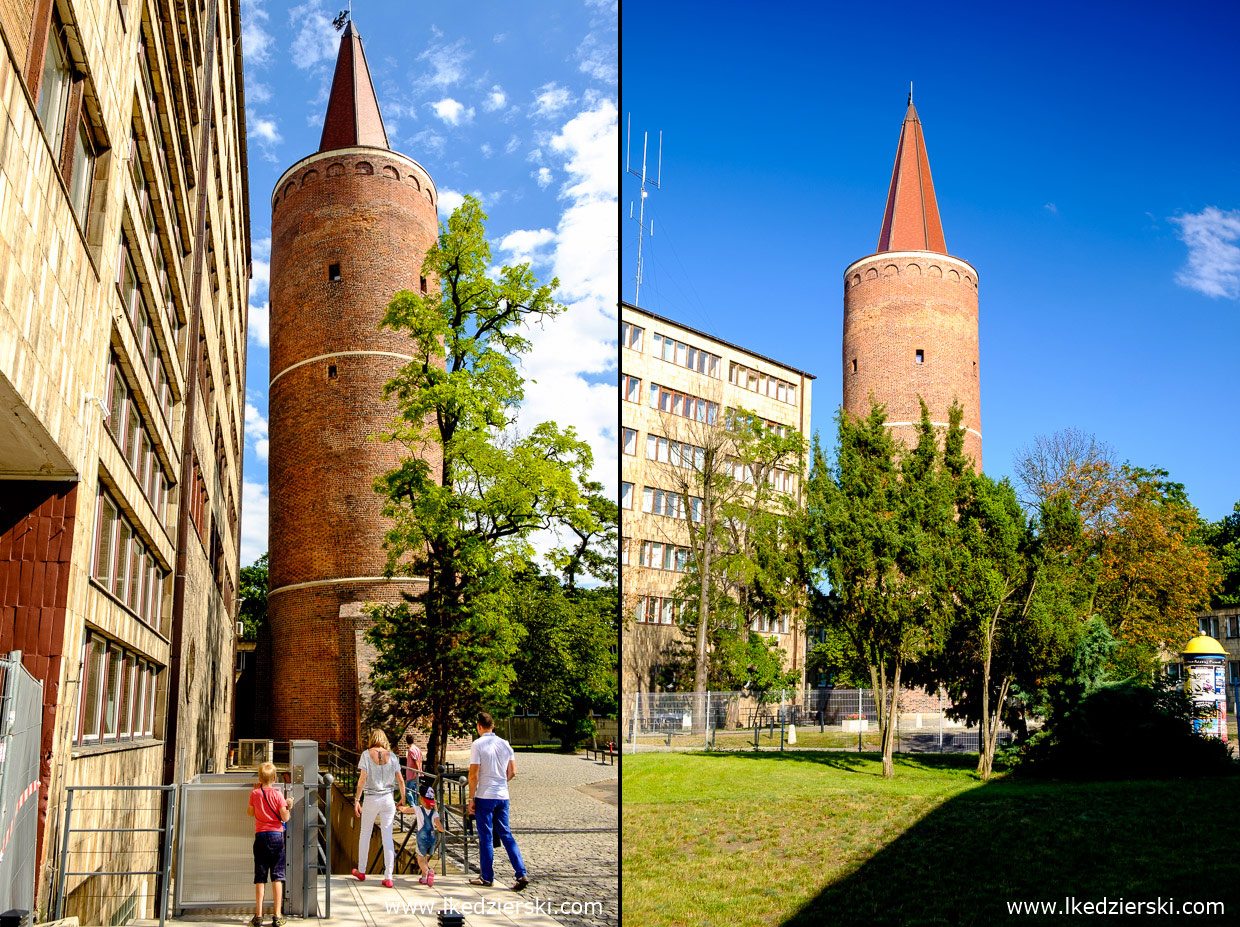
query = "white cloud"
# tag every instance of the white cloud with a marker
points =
(1213, 266)
(513, 144)
(486, 149)
(1051, 208)
(495, 99)
(316, 39)
(597, 56)
(266, 133)
(257, 92)
(256, 42)
(253, 521)
(445, 61)
(256, 427)
(498, 38)
(449, 200)
(452, 111)
(526, 245)
(428, 140)
(551, 100)
(580, 346)
(260, 324)
(543, 176)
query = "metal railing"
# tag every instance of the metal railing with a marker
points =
(834, 719)
(123, 856)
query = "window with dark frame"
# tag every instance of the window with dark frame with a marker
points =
(331, 371)
(116, 700)
(333, 271)
(920, 356)
(422, 284)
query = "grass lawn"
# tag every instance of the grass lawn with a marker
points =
(821, 838)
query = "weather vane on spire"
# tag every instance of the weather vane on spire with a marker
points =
(910, 93)
(343, 16)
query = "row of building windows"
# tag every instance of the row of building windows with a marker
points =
(117, 693)
(683, 404)
(762, 383)
(676, 453)
(125, 566)
(62, 115)
(1209, 624)
(664, 502)
(133, 302)
(133, 437)
(631, 336)
(656, 555)
(686, 355)
(656, 609)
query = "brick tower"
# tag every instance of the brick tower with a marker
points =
(350, 226)
(910, 310)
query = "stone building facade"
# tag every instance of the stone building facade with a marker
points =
(911, 310)
(662, 358)
(351, 225)
(124, 276)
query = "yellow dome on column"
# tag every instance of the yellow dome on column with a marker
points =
(1204, 644)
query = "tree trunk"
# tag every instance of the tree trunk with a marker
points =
(983, 761)
(986, 762)
(888, 727)
(702, 663)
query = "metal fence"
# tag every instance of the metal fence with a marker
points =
(814, 719)
(21, 725)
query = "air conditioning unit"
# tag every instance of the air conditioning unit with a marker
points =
(253, 753)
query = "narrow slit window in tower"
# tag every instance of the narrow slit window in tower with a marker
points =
(422, 283)
(854, 365)
(975, 368)
(333, 271)
(921, 356)
(331, 371)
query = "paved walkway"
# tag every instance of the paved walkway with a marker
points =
(564, 814)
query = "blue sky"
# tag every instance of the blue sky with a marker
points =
(515, 103)
(1086, 160)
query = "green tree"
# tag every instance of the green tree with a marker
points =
(724, 484)
(465, 521)
(253, 592)
(879, 527)
(1223, 540)
(566, 665)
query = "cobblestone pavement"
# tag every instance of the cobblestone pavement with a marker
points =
(568, 836)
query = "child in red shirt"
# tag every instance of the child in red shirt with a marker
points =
(270, 810)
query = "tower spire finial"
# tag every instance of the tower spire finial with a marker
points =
(911, 220)
(910, 93)
(353, 116)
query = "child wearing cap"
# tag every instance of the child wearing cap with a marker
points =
(428, 824)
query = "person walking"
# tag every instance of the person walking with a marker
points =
(378, 780)
(491, 766)
(413, 772)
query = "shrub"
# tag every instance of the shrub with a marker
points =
(1124, 730)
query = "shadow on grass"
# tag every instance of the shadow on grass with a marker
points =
(1021, 840)
(867, 764)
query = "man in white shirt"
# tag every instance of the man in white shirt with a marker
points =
(491, 765)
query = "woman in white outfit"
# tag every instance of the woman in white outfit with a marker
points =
(378, 781)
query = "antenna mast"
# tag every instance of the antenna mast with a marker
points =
(641, 211)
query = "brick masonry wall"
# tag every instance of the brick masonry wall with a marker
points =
(37, 522)
(373, 213)
(895, 304)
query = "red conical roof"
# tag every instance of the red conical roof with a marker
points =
(353, 110)
(911, 222)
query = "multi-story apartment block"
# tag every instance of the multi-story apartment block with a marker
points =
(124, 279)
(678, 383)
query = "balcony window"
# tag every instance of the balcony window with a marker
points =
(54, 89)
(81, 183)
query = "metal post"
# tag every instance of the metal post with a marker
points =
(328, 802)
(860, 715)
(310, 875)
(64, 854)
(940, 720)
(637, 702)
(170, 804)
(707, 719)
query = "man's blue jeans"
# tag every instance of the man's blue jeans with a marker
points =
(492, 814)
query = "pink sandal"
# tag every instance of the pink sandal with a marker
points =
(360, 876)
